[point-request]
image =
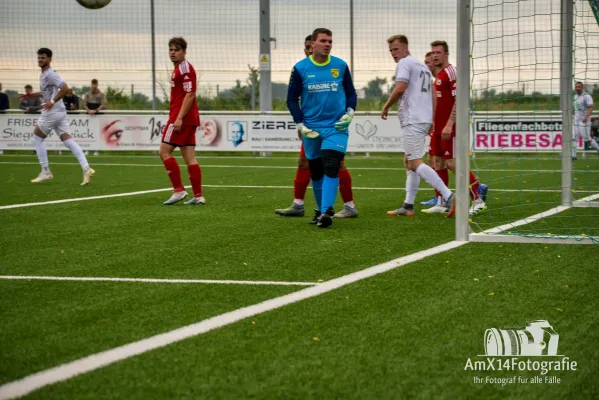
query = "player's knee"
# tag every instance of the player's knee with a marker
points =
(303, 163)
(451, 165)
(316, 169)
(332, 160)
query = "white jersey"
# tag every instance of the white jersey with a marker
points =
(50, 84)
(416, 106)
(581, 104)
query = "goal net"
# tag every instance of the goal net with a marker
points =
(531, 137)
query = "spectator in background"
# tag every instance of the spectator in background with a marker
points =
(94, 101)
(71, 101)
(4, 103)
(30, 104)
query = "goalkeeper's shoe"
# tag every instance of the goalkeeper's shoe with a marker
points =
(347, 212)
(401, 212)
(196, 200)
(326, 219)
(295, 210)
(307, 132)
(43, 176)
(175, 198)
(482, 191)
(431, 202)
(87, 176)
(477, 206)
(345, 120)
(314, 220)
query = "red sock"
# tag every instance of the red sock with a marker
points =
(345, 186)
(474, 183)
(174, 173)
(301, 182)
(444, 175)
(195, 177)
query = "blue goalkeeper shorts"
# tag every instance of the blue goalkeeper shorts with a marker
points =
(329, 139)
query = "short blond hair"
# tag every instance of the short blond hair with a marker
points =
(402, 39)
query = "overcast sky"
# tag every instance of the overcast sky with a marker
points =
(513, 43)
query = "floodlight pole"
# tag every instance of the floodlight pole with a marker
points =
(265, 62)
(566, 74)
(153, 33)
(462, 139)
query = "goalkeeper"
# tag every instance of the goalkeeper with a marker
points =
(328, 101)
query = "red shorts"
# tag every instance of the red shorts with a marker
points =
(442, 148)
(185, 137)
(302, 151)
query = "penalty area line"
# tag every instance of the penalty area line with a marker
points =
(152, 280)
(93, 362)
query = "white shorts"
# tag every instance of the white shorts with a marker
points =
(580, 129)
(415, 146)
(57, 122)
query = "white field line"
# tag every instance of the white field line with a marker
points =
(284, 167)
(536, 217)
(90, 363)
(151, 280)
(294, 155)
(107, 196)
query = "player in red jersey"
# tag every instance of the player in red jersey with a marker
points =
(180, 131)
(443, 137)
(302, 178)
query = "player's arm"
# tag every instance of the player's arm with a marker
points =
(446, 133)
(294, 91)
(398, 91)
(589, 111)
(64, 88)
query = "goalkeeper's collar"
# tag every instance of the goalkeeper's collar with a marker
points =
(320, 64)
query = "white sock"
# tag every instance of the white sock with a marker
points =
(594, 144)
(573, 148)
(42, 153)
(432, 178)
(350, 204)
(412, 183)
(76, 150)
(299, 202)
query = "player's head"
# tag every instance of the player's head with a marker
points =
(44, 57)
(95, 85)
(70, 92)
(177, 47)
(579, 87)
(236, 133)
(428, 60)
(440, 52)
(308, 45)
(322, 42)
(398, 47)
(28, 89)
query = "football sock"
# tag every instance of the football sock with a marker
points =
(412, 183)
(317, 188)
(174, 173)
(300, 184)
(195, 177)
(76, 150)
(433, 179)
(345, 186)
(329, 192)
(42, 153)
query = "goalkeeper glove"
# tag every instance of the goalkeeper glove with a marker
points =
(307, 132)
(344, 122)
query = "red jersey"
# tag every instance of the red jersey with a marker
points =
(445, 85)
(183, 81)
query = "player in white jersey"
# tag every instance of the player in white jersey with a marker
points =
(583, 108)
(53, 118)
(413, 85)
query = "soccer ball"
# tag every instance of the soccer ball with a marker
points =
(94, 4)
